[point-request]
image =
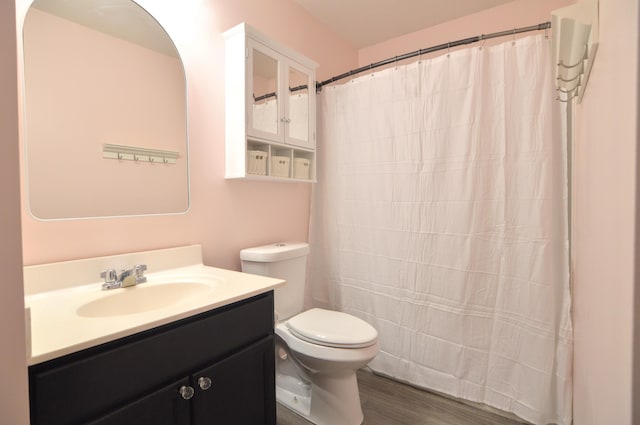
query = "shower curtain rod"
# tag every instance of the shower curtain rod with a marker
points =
(539, 27)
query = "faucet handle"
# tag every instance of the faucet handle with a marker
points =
(109, 275)
(139, 270)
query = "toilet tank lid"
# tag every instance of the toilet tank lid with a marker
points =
(275, 252)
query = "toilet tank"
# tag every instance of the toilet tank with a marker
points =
(287, 261)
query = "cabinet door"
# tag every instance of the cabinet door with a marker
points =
(76, 388)
(239, 390)
(166, 406)
(299, 106)
(265, 110)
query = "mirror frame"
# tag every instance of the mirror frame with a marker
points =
(186, 191)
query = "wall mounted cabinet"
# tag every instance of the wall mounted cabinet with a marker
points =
(270, 109)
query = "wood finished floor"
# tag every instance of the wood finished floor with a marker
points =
(387, 402)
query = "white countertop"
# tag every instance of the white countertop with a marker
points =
(61, 322)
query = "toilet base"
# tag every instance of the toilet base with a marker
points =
(319, 382)
(334, 399)
(294, 402)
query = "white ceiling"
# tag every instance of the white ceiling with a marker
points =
(366, 22)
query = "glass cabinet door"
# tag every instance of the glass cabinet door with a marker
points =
(281, 98)
(264, 106)
(299, 94)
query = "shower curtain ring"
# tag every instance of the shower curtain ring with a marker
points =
(513, 37)
(448, 49)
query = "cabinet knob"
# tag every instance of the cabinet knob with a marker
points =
(186, 392)
(204, 383)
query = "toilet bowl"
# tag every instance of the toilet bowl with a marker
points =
(330, 355)
(317, 351)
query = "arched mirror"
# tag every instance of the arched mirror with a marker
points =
(104, 112)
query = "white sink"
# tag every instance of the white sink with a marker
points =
(143, 298)
(69, 312)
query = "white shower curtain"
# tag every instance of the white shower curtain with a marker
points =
(440, 217)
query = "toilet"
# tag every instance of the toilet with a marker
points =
(317, 351)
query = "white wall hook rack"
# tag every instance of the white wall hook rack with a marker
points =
(134, 153)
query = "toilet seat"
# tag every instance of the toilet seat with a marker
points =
(332, 329)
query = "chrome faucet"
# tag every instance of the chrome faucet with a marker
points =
(131, 277)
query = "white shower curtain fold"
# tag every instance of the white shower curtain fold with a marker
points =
(440, 217)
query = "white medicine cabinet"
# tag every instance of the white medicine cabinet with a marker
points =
(270, 109)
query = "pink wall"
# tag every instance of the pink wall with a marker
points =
(228, 215)
(13, 362)
(225, 215)
(604, 223)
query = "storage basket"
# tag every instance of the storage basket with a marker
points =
(301, 168)
(280, 166)
(257, 163)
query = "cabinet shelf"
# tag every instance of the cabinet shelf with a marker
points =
(270, 127)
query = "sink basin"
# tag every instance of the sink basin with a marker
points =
(141, 298)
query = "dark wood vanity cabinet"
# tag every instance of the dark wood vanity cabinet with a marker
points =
(213, 368)
(161, 407)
